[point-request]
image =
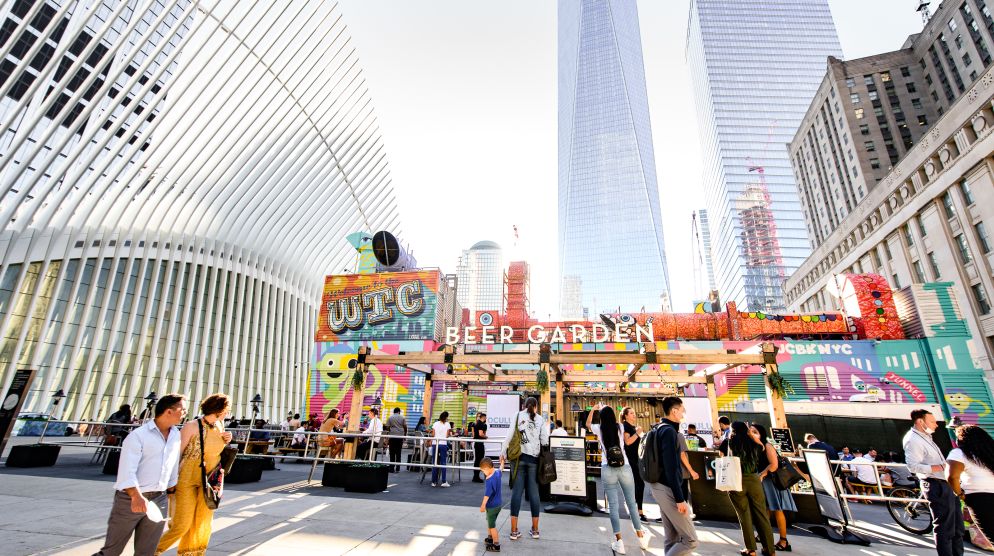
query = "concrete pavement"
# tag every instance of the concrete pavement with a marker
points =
(63, 510)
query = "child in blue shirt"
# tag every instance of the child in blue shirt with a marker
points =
(491, 502)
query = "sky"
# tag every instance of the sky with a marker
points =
(466, 100)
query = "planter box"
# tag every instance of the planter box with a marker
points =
(368, 479)
(334, 474)
(245, 470)
(33, 455)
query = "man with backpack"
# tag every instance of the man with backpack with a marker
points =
(660, 466)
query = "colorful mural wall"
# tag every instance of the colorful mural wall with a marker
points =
(384, 306)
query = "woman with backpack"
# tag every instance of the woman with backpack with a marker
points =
(750, 502)
(616, 474)
(778, 501)
(522, 447)
(633, 433)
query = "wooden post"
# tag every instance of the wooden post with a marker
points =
(713, 403)
(560, 404)
(426, 401)
(355, 408)
(546, 395)
(465, 405)
(778, 415)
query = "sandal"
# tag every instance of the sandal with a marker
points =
(785, 547)
(747, 552)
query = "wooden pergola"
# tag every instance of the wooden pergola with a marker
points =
(487, 366)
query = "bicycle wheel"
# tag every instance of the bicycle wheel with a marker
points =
(912, 514)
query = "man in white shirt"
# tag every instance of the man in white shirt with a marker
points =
(925, 460)
(559, 430)
(148, 470)
(373, 430)
(862, 474)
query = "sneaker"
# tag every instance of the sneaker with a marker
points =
(515, 535)
(493, 547)
(644, 540)
(534, 533)
(618, 547)
(434, 484)
(643, 519)
(446, 485)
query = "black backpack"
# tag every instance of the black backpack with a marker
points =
(615, 457)
(650, 467)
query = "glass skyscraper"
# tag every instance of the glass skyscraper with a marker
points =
(611, 252)
(755, 66)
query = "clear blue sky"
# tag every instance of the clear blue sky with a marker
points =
(465, 94)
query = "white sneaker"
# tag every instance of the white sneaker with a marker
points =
(446, 485)
(618, 547)
(644, 540)
(434, 484)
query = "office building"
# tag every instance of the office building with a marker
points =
(611, 252)
(755, 65)
(480, 271)
(176, 187)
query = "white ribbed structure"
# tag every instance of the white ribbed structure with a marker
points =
(174, 233)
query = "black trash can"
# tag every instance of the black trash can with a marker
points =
(245, 470)
(111, 461)
(367, 478)
(33, 455)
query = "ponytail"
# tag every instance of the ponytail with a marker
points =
(530, 404)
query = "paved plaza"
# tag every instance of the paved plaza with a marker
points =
(63, 510)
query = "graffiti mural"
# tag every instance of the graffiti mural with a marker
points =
(385, 306)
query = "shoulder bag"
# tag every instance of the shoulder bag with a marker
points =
(728, 472)
(210, 480)
(786, 475)
(546, 466)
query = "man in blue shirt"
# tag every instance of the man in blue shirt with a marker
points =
(147, 471)
(491, 502)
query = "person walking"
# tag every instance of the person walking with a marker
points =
(925, 460)
(533, 435)
(202, 441)
(750, 502)
(633, 433)
(396, 426)
(442, 430)
(777, 501)
(479, 433)
(971, 474)
(147, 471)
(670, 493)
(616, 474)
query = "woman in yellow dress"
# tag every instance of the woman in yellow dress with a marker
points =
(191, 518)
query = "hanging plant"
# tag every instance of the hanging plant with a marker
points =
(358, 380)
(542, 381)
(779, 384)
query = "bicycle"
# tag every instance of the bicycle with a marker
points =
(912, 514)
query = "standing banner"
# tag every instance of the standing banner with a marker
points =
(11, 405)
(699, 415)
(571, 466)
(501, 410)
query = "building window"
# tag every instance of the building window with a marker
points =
(967, 60)
(919, 272)
(959, 42)
(859, 113)
(873, 95)
(916, 103)
(885, 76)
(964, 250)
(875, 257)
(985, 244)
(890, 257)
(909, 240)
(928, 79)
(897, 281)
(964, 188)
(911, 87)
(921, 225)
(875, 163)
(935, 97)
(952, 24)
(869, 146)
(922, 119)
(973, 76)
(905, 72)
(864, 129)
(935, 266)
(850, 82)
(947, 204)
(980, 295)
(854, 98)
(868, 80)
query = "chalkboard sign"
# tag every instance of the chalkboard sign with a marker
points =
(10, 406)
(783, 440)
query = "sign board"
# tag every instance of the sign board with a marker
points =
(571, 466)
(783, 440)
(383, 306)
(501, 411)
(832, 506)
(699, 415)
(10, 407)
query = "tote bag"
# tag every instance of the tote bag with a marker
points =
(728, 473)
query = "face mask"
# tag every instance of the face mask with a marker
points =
(929, 430)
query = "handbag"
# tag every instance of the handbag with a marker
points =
(212, 497)
(786, 475)
(228, 455)
(546, 466)
(728, 473)
(514, 446)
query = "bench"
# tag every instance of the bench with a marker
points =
(290, 451)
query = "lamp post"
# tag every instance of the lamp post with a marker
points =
(150, 400)
(256, 402)
(56, 398)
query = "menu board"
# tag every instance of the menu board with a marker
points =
(783, 440)
(571, 468)
(10, 407)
